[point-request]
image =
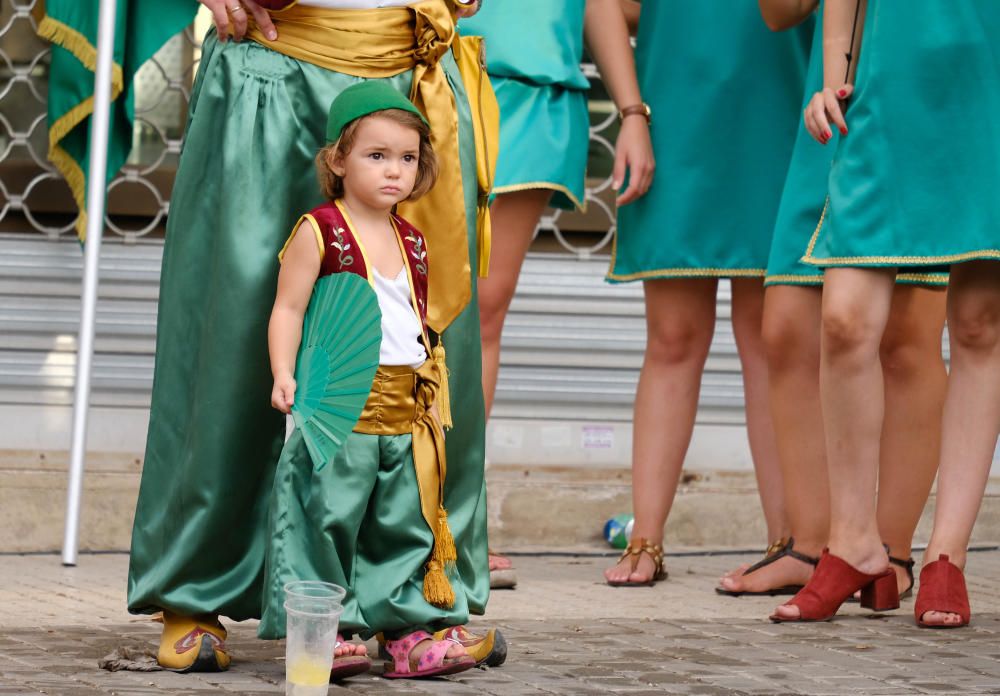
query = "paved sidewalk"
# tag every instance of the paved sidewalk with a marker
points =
(569, 634)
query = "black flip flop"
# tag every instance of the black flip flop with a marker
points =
(785, 549)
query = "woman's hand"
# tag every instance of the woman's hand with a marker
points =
(824, 107)
(223, 10)
(283, 393)
(633, 153)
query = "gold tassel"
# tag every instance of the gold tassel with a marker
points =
(444, 542)
(443, 401)
(484, 229)
(437, 589)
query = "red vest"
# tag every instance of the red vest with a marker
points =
(342, 253)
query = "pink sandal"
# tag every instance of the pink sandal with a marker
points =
(348, 665)
(433, 663)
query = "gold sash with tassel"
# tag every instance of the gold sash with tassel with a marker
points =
(400, 402)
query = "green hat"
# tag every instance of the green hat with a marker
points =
(362, 99)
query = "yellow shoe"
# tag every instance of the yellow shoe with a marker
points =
(489, 650)
(191, 644)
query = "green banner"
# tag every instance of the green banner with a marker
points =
(141, 28)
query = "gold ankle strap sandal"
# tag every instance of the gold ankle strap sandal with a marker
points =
(636, 547)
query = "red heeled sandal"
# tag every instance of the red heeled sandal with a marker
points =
(833, 581)
(942, 588)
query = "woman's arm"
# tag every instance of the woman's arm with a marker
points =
(299, 269)
(843, 24)
(607, 38)
(785, 14)
(631, 10)
(842, 37)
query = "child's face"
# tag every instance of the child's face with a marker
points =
(381, 168)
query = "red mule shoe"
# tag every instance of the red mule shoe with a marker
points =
(942, 588)
(833, 581)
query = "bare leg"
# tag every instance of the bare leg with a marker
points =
(515, 216)
(971, 411)
(915, 379)
(855, 312)
(791, 338)
(680, 321)
(748, 318)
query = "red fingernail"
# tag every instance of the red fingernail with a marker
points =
(842, 93)
(829, 134)
(843, 131)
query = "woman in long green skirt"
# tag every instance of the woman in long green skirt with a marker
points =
(725, 94)
(255, 123)
(907, 191)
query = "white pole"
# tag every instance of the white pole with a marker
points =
(96, 187)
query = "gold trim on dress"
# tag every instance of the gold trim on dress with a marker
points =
(935, 280)
(676, 273)
(882, 261)
(357, 239)
(316, 232)
(669, 273)
(532, 185)
(863, 261)
(792, 279)
(409, 278)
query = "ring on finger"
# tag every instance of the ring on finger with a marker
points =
(236, 8)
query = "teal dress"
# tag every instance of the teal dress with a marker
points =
(533, 54)
(915, 182)
(804, 197)
(726, 95)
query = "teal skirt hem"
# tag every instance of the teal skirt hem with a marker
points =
(933, 280)
(544, 134)
(681, 273)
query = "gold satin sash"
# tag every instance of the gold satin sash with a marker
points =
(382, 43)
(400, 402)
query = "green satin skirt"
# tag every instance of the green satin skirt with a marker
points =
(915, 182)
(720, 160)
(356, 523)
(246, 173)
(544, 132)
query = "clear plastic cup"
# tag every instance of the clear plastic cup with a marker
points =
(313, 611)
(315, 589)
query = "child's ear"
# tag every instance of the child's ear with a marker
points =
(335, 161)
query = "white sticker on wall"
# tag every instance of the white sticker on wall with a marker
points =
(597, 437)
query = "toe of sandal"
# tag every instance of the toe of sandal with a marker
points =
(636, 547)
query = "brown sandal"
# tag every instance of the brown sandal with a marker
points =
(636, 547)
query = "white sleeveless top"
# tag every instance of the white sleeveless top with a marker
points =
(357, 4)
(401, 329)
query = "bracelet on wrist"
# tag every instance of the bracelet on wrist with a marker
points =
(640, 109)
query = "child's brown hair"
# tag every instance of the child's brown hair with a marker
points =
(332, 185)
